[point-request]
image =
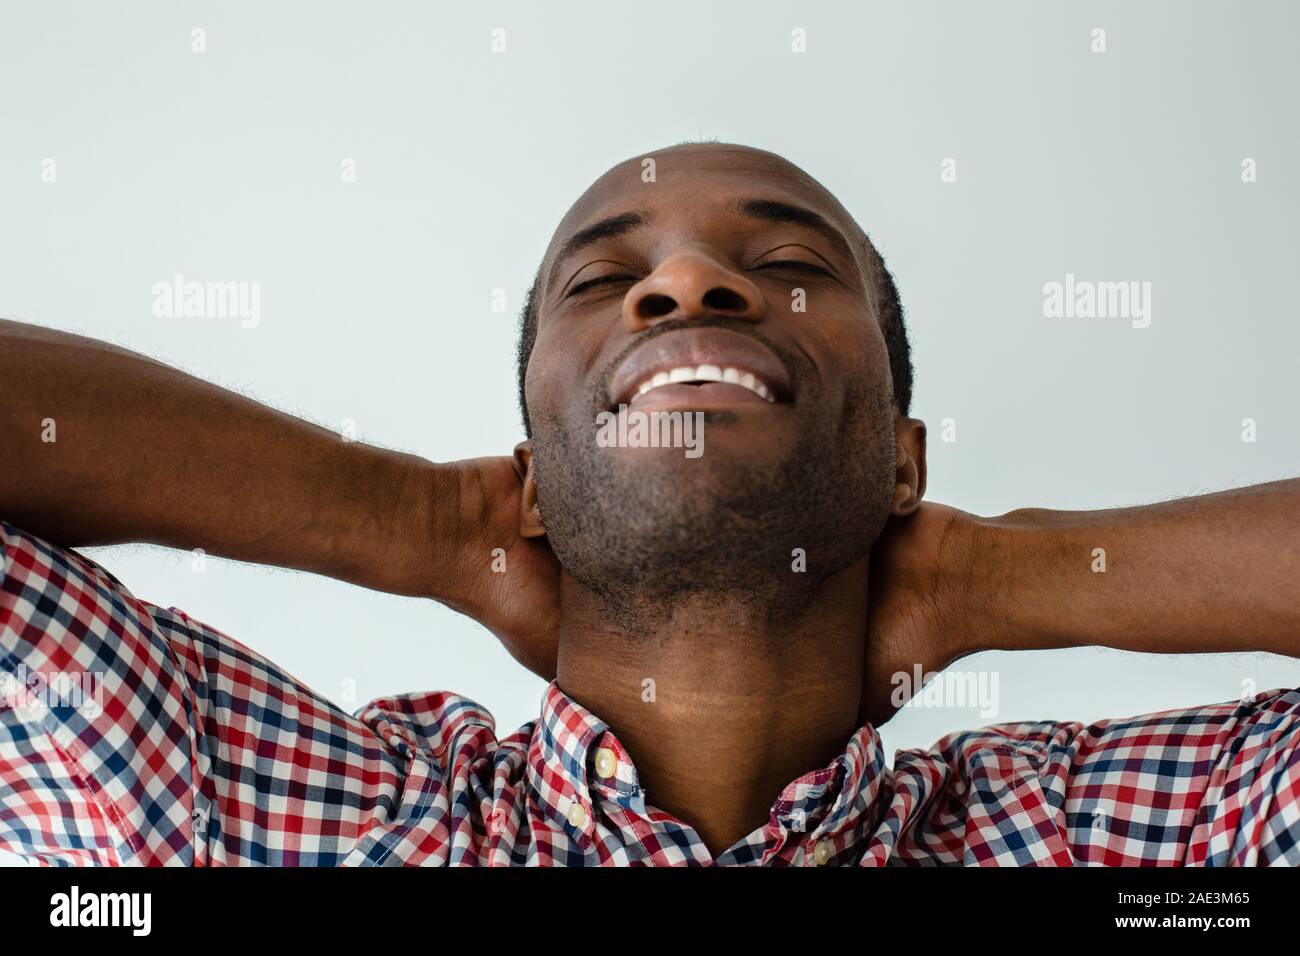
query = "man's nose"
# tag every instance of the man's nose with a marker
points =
(691, 284)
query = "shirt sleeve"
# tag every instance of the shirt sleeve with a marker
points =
(1217, 785)
(131, 734)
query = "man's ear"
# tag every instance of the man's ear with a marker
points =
(909, 478)
(530, 518)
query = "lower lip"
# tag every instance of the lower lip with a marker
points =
(697, 398)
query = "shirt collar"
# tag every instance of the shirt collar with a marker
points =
(579, 760)
(572, 736)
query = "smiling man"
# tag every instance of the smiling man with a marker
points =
(721, 631)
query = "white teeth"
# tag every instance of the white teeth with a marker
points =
(707, 373)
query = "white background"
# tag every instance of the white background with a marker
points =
(376, 296)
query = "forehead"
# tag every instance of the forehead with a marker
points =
(696, 180)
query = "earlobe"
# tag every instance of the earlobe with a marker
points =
(530, 517)
(909, 478)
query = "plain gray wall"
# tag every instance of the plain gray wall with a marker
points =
(376, 295)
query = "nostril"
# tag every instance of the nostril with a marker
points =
(725, 300)
(654, 306)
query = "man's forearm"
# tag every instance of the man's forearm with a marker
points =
(99, 445)
(1217, 572)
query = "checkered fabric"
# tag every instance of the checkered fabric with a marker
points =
(130, 734)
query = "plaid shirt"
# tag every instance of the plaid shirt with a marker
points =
(130, 734)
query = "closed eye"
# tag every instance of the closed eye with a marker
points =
(793, 264)
(599, 281)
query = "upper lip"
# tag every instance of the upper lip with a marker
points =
(693, 348)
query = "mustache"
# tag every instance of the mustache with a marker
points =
(794, 366)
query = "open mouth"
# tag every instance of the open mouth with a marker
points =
(709, 367)
(699, 375)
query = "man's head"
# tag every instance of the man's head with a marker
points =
(716, 257)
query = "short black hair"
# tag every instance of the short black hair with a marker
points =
(891, 318)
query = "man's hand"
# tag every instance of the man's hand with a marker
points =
(508, 583)
(919, 569)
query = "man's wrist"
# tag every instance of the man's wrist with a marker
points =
(1020, 583)
(966, 611)
(391, 530)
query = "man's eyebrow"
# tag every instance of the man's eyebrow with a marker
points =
(773, 210)
(610, 227)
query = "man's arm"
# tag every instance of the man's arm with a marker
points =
(144, 453)
(1218, 572)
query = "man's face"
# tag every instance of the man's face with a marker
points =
(731, 259)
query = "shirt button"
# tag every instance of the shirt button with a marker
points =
(577, 815)
(606, 762)
(822, 852)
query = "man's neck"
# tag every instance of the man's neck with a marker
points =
(718, 710)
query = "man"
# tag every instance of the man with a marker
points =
(721, 630)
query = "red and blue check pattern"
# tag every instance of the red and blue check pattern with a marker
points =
(195, 750)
